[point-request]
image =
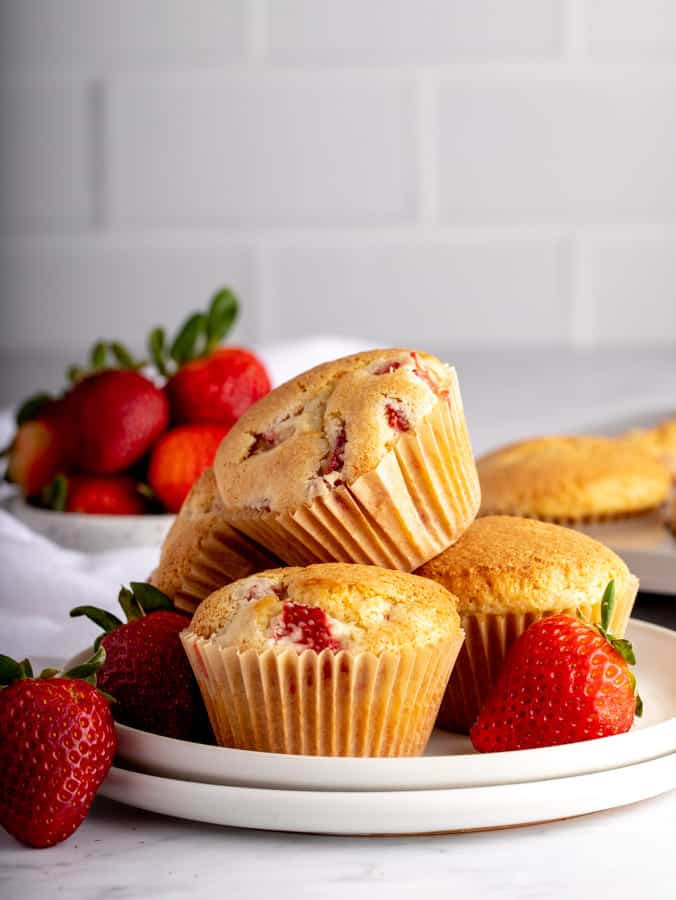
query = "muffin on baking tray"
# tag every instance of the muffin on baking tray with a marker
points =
(202, 552)
(659, 441)
(364, 459)
(571, 479)
(332, 660)
(506, 572)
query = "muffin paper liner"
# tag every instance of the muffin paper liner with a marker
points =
(322, 704)
(419, 500)
(488, 637)
(222, 556)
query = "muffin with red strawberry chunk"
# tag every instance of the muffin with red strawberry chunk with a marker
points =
(197, 557)
(328, 660)
(508, 572)
(364, 459)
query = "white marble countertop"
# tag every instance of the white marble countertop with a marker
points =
(121, 852)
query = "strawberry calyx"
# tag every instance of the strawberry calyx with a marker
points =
(138, 600)
(12, 671)
(105, 355)
(622, 646)
(198, 336)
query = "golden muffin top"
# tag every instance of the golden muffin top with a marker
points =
(325, 427)
(565, 478)
(505, 564)
(659, 441)
(330, 605)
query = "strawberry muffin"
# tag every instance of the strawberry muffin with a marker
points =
(201, 551)
(506, 573)
(329, 660)
(572, 479)
(659, 441)
(364, 459)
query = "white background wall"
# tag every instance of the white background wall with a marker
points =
(444, 172)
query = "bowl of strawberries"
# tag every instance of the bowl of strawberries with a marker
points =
(109, 461)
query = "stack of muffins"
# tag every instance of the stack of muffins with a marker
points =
(359, 477)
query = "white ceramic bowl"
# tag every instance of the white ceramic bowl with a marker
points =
(91, 533)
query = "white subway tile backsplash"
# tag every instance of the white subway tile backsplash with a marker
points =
(403, 31)
(246, 149)
(44, 155)
(441, 293)
(634, 291)
(118, 32)
(630, 29)
(67, 294)
(558, 149)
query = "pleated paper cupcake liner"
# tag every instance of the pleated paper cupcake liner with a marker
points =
(326, 704)
(488, 637)
(221, 557)
(419, 500)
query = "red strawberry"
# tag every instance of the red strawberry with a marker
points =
(305, 625)
(146, 668)
(218, 388)
(57, 742)
(43, 445)
(563, 681)
(112, 495)
(179, 458)
(119, 415)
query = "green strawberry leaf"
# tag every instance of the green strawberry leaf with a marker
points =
(31, 407)
(87, 670)
(608, 605)
(183, 347)
(149, 598)
(49, 673)
(130, 605)
(97, 356)
(101, 617)
(123, 357)
(223, 311)
(75, 374)
(624, 648)
(11, 670)
(55, 494)
(158, 351)
(639, 706)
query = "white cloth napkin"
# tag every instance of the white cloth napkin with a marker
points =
(41, 582)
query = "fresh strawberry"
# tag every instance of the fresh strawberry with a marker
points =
(307, 626)
(112, 495)
(146, 668)
(43, 444)
(36, 456)
(119, 415)
(57, 742)
(563, 681)
(179, 458)
(219, 388)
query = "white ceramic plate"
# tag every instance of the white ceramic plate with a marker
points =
(449, 762)
(394, 812)
(91, 533)
(646, 545)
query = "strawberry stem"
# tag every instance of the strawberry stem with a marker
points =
(608, 605)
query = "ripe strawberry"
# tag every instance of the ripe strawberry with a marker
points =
(43, 445)
(179, 458)
(563, 681)
(57, 742)
(305, 625)
(119, 415)
(146, 668)
(218, 388)
(116, 495)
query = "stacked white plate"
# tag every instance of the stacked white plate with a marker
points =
(451, 788)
